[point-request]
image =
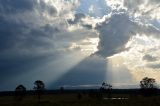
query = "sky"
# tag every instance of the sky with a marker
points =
(79, 43)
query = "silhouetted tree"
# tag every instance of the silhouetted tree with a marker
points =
(20, 92)
(106, 88)
(39, 88)
(147, 83)
(148, 86)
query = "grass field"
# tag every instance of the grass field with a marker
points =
(73, 99)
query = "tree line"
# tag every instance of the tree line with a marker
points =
(39, 88)
(148, 87)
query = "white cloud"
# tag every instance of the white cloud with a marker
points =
(115, 4)
(143, 58)
(137, 7)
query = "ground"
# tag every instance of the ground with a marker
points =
(74, 99)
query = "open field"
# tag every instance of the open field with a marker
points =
(84, 99)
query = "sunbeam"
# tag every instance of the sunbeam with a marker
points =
(50, 70)
(117, 73)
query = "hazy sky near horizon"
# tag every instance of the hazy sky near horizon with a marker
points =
(79, 43)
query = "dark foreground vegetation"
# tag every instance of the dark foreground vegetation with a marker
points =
(130, 97)
(147, 95)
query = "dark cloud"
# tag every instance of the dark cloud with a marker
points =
(149, 58)
(117, 30)
(17, 65)
(114, 34)
(78, 19)
(9, 33)
(153, 65)
(32, 35)
(20, 6)
(16, 6)
(25, 42)
(19, 35)
(15, 32)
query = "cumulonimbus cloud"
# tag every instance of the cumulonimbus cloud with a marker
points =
(117, 30)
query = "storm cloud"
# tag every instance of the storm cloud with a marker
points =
(32, 31)
(116, 30)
